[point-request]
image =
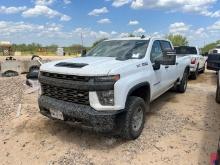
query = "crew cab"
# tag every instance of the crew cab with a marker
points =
(197, 61)
(110, 87)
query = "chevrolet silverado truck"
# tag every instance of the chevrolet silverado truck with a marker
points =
(197, 62)
(110, 87)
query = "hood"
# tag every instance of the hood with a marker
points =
(84, 66)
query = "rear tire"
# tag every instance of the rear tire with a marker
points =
(134, 118)
(181, 88)
(194, 75)
(203, 69)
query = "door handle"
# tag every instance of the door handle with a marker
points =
(166, 66)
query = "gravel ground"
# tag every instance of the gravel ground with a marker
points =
(182, 129)
(11, 90)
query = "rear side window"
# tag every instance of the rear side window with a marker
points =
(185, 50)
(166, 45)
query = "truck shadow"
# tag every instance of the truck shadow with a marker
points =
(88, 138)
(211, 124)
(209, 77)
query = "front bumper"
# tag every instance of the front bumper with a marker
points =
(104, 121)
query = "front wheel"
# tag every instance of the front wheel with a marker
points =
(181, 88)
(134, 118)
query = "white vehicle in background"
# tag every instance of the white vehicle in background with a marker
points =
(215, 50)
(197, 61)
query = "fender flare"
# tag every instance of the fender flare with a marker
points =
(138, 86)
(187, 68)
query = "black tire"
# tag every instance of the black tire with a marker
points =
(218, 92)
(203, 69)
(132, 126)
(194, 75)
(33, 72)
(10, 73)
(181, 88)
(36, 56)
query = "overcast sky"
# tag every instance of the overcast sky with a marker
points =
(62, 21)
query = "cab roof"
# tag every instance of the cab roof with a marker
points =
(136, 38)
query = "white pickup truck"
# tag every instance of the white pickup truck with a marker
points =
(197, 61)
(110, 87)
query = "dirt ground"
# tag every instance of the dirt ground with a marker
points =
(183, 129)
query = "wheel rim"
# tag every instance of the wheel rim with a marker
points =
(137, 119)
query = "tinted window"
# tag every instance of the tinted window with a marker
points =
(184, 50)
(166, 45)
(156, 51)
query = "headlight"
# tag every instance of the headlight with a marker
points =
(107, 78)
(106, 97)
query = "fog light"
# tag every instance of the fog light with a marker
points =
(106, 97)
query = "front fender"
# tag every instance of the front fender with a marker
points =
(126, 85)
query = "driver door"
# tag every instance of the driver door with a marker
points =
(158, 81)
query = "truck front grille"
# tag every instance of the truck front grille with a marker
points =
(66, 77)
(66, 94)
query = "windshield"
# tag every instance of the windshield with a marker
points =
(120, 49)
(185, 50)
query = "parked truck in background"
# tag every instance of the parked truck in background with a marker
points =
(197, 61)
(110, 88)
(216, 50)
(213, 63)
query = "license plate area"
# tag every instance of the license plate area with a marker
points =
(56, 114)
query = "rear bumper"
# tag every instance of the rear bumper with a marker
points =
(99, 120)
(193, 68)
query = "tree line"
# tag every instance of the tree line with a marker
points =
(177, 40)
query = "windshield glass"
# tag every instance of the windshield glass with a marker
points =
(185, 50)
(120, 49)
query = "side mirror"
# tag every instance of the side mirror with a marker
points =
(83, 53)
(168, 58)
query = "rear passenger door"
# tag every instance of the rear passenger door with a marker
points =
(170, 74)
